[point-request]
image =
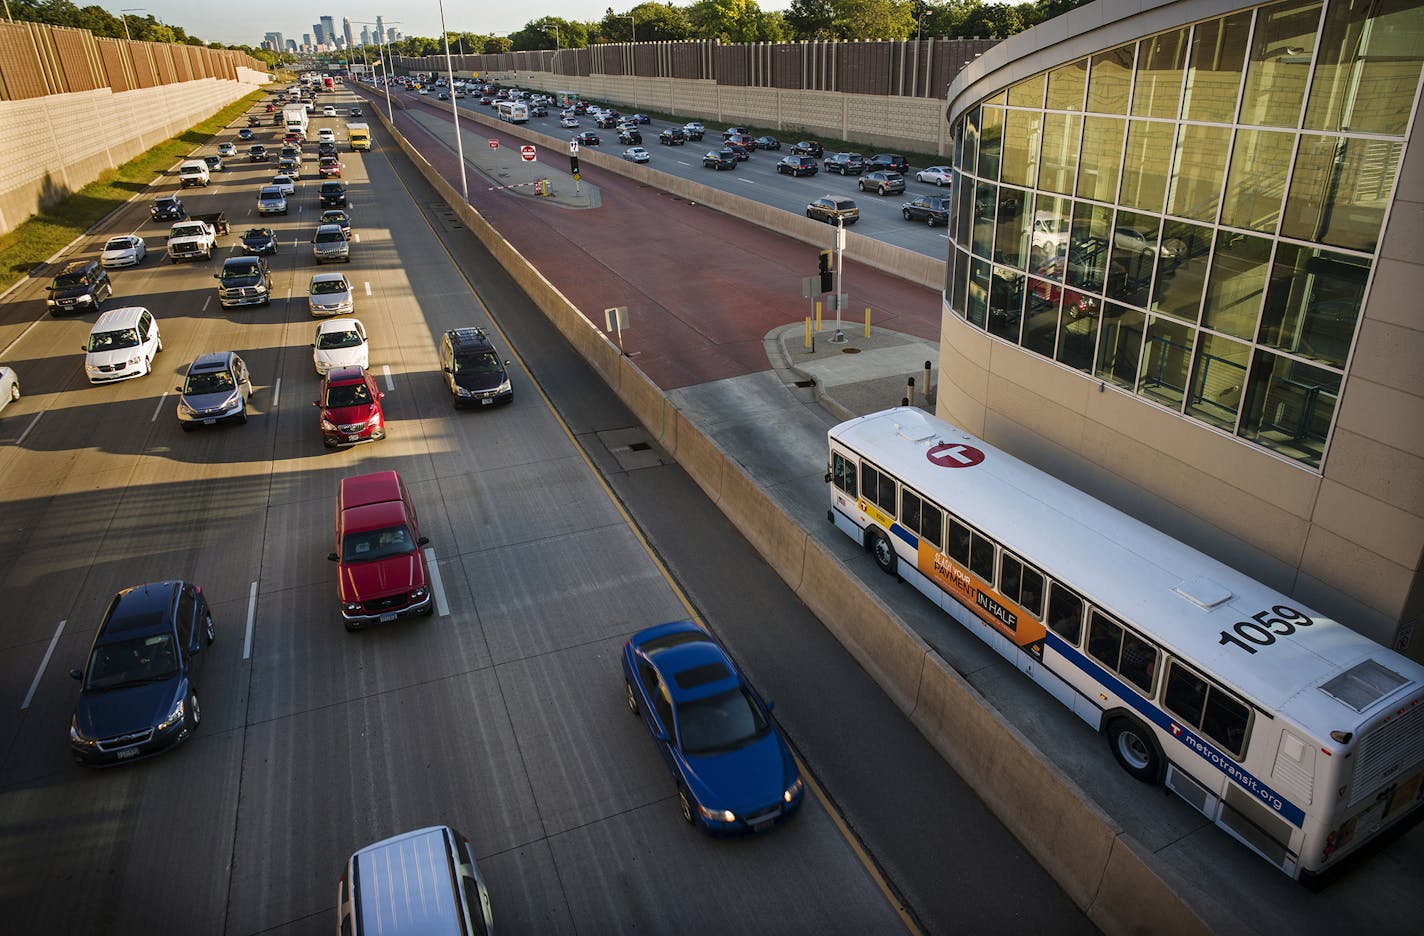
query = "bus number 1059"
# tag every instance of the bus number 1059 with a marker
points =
(1264, 627)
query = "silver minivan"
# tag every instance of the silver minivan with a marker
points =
(330, 244)
(419, 882)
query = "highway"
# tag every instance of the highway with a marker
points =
(502, 715)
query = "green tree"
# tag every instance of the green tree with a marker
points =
(811, 19)
(497, 45)
(650, 22)
(873, 19)
(735, 21)
(541, 33)
(993, 20)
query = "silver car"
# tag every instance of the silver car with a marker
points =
(329, 294)
(271, 201)
(330, 244)
(216, 389)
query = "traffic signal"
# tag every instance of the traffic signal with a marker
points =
(827, 266)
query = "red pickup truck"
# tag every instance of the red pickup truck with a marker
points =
(381, 571)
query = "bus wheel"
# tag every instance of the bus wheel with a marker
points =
(883, 552)
(1135, 749)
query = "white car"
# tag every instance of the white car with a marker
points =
(124, 250)
(326, 135)
(227, 150)
(939, 175)
(9, 386)
(328, 111)
(340, 342)
(285, 183)
(637, 154)
(570, 122)
(330, 294)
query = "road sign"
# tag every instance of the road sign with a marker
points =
(573, 167)
(810, 287)
(526, 153)
(954, 455)
(494, 144)
(573, 147)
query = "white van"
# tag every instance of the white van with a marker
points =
(122, 344)
(193, 172)
(420, 882)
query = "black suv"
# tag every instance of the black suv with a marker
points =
(82, 286)
(888, 163)
(630, 136)
(168, 208)
(473, 372)
(931, 209)
(333, 194)
(798, 165)
(846, 163)
(139, 688)
(674, 137)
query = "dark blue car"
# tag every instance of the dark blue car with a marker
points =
(733, 770)
(139, 694)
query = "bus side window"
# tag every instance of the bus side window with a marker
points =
(932, 524)
(1225, 721)
(1185, 695)
(1139, 662)
(879, 488)
(959, 537)
(910, 511)
(1021, 584)
(981, 557)
(1065, 613)
(1105, 640)
(843, 473)
(920, 515)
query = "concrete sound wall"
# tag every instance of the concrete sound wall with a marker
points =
(53, 146)
(1119, 884)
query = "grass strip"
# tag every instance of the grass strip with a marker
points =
(25, 248)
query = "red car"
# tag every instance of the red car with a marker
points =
(295, 137)
(329, 168)
(380, 568)
(350, 407)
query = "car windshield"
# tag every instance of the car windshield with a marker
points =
(376, 544)
(271, 193)
(208, 382)
(257, 234)
(238, 270)
(70, 281)
(130, 662)
(477, 362)
(350, 338)
(327, 287)
(119, 243)
(334, 217)
(166, 202)
(722, 722)
(113, 340)
(330, 237)
(341, 395)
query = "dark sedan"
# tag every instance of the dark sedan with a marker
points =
(244, 134)
(931, 209)
(733, 770)
(259, 240)
(587, 138)
(808, 148)
(720, 159)
(767, 143)
(139, 688)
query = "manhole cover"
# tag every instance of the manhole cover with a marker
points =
(804, 383)
(850, 350)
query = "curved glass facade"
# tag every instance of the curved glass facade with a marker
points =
(1193, 217)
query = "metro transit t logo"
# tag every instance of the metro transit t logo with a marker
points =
(954, 455)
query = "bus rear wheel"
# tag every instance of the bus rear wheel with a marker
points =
(883, 551)
(1136, 750)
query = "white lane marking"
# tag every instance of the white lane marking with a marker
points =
(356, 238)
(368, 289)
(276, 392)
(49, 651)
(681, 163)
(206, 301)
(390, 383)
(437, 586)
(21, 439)
(747, 181)
(251, 618)
(159, 408)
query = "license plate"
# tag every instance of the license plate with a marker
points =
(387, 617)
(209, 422)
(126, 753)
(352, 438)
(486, 401)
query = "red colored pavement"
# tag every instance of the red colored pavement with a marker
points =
(702, 288)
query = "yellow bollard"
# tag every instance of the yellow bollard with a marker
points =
(867, 321)
(808, 332)
(818, 315)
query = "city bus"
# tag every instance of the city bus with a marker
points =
(1300, 737)
(512, 111)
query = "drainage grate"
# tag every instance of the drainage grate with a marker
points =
(804, 383)
(850, 350)
(639, 446)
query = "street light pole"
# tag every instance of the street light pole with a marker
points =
(632, 26)
(454, 108)
(123, 15)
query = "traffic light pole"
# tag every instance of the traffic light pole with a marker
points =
(839, 335)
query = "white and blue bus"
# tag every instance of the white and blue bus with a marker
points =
(513, 111)
(1298, 736)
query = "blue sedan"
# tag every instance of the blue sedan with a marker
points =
(733, 770)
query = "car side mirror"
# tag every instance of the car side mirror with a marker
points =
(423, 541)
(76, 673)
(331, 557)
(506, 363)
(380, 394)
(217, 276)
(316, 403)
(178, 389)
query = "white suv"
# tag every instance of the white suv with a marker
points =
(122, 344)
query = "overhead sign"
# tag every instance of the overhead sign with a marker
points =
(494, 144)
(526, 153)
(954, 455)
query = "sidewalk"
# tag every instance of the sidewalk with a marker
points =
(858, 375)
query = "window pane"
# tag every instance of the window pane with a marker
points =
(1078, 335)
(986, 199)
(1218, 375)
(1006, 301)
(1105, 640)
(1027, 93)
(1186, 695)
(1313, 303)
(1065, 613)
(971, 139)
(870, 483)
(957, 160)
(981, 558)
(977, 305)
(1149, 157)
(1237, 284)
(963, 194)
(1181, 274)
(1197, 172)
(1098, 168)
(1225, 721)
(1041, 316)
(932, 525)
(1166, 360)
(1340, 190)
(961, 282)
(1022, 131)
(1256, 180)
(1011, 236)
(1066, 85)
(844, 474)
(1367, 67)
(1119, 345)
(1088, 243)
(910, 511)
(1289, 407)
(1135, 243)
(1279, 63)
(1059, 162)
(1010, 577)
(1161, 60)
(991, 141)
(1139, 662)
(959, 537)
(949, 262)
(1214, 78)
(1109, 80)
(1052, 220)
(1031, 594)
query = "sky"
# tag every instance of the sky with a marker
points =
(247, 21)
